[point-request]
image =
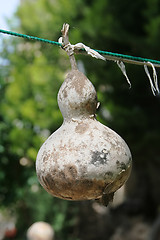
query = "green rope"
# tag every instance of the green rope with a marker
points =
(110, 54)
(128, 57)
(30, 37)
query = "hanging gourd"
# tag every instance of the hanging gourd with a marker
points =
(83, 159)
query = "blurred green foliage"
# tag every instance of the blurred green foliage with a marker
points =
(29, 83)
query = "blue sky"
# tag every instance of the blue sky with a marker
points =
(7, 8)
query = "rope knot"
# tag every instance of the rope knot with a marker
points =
(68, 47)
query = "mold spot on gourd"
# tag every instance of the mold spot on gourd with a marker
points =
(99, 157)
(83, 159)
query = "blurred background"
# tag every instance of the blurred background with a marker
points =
(30, 76)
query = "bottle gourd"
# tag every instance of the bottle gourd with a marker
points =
(83, 159)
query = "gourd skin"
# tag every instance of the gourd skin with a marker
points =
(83, 159)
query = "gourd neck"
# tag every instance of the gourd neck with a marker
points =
(77, 97)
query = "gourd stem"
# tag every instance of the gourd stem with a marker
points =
(67, 46)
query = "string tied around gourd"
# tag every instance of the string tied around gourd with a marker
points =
(81, 47)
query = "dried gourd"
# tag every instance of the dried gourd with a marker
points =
(83, 159)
